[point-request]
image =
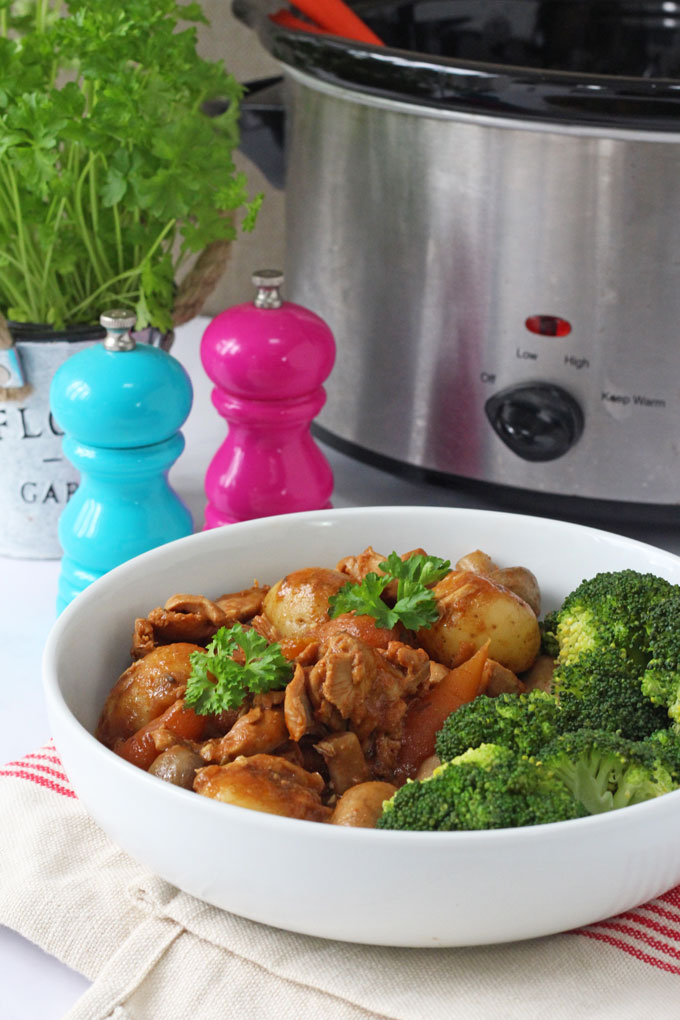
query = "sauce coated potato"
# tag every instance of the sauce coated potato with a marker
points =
(145, 690)
(266, 783)
(472, 610)
(299, 601)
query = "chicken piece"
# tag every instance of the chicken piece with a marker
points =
(243, 605)
(194, 618)
(349, 668)
(344, 759)
(296, 706)
(356, 567)
(497, 680)
(369, 689)
(473, 610)
(143, 640)
(362, 805)
(418, 669)
(368, 562)
(144, 691)
(540, 676)
(259, 730)
(298, 603)
(266, 783)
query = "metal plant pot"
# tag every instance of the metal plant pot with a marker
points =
(36, 479)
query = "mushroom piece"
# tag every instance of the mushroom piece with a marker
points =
(177, 765)
(258, 731)
(362, 805)
(344, 759)
(518, 579)
(194, 618)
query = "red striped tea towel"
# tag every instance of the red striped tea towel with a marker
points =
(152, 951)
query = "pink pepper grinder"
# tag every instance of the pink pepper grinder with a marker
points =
(268, 359)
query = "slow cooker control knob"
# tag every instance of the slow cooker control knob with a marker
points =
(537, 421)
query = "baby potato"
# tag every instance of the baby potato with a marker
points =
(145, 690)
(298, 603)
(472, 610)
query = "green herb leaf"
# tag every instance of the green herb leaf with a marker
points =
(219, 682)
(419, 569)
(111, 176)
(415, 606)
(365, 600)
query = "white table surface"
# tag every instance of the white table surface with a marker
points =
(35, 986)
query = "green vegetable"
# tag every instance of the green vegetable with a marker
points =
(111, 177)
(604, 771)
(610, 609)
(218, 681)
(488, 787)
(602, 740)
(618, 662)
(521, 722)
(666, 745)
(661, 679)
(415, 605)
(602, 690)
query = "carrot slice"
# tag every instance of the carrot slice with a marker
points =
(426, 716)
(140, 749)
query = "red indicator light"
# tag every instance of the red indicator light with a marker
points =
(548, 325)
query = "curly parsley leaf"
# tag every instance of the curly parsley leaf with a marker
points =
(365, 600)
(219, 682)
(418, 569)
(415, 606)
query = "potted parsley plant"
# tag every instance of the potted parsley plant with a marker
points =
(115, 191)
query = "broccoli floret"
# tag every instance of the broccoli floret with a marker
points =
(604, 771)
(520, 722)
(661, 679)
(549, 643)
(488, 787)
(603, 691)
(666, 744)
(611, 608)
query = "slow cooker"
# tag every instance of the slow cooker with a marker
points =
(486, 211)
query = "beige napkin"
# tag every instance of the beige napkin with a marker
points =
(153, 952)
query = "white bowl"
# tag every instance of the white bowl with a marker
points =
(359, 885)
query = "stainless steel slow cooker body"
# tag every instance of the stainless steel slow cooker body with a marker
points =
(504, 289)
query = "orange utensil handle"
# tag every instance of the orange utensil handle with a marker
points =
(339, 19)
(288, 20)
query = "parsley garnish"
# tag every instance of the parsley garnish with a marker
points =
(218, 682)
(415, 606)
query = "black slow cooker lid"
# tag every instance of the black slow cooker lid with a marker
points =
(600, 62)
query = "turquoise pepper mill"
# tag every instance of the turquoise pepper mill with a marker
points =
(121, 405)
